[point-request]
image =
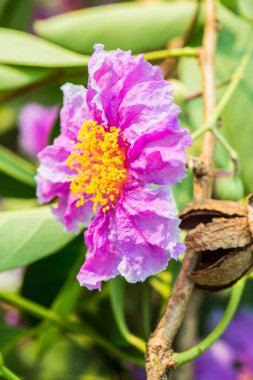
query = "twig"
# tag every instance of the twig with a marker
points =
(235, 80)
(159, 355)
(171, 53)
(198, 94)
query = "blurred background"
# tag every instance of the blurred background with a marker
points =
(44, 272)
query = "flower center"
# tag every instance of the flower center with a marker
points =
(98, 161)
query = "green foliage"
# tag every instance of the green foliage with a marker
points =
(92, 335)
(19, 48)
(126, 26)
(29, 235)
(16, 167)
(15, 77)
(246, 9)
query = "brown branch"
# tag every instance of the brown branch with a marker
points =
(159, 353)
(187, 336)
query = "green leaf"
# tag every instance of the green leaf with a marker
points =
(117, 296)
(12, 78)
(19, 48)
(246, 9)
(16, 167)
(28, 235)
(126, 26)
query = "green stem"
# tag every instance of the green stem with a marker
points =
(194, 352)
(235, 80)
(69, 325)
(172, 53)
(231, 152)
(117, 290)
(5, 372)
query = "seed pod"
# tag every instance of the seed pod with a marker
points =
(221, 233)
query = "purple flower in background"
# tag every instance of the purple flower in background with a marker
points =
(11, 281)
(118, 137)
(231, 357)
(49, 8)
(35, 126)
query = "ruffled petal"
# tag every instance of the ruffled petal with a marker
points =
(102, 258)
(135, 239)
(66, 211)
(111, 76)
(35, 125)
(73, 218)
(156, 141)
(53, 182)
(161, 158)
(145, 231)
(53, 160)
(75, 110)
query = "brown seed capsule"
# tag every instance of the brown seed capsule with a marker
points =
(221, 233)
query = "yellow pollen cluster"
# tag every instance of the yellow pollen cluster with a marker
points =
(99, 162)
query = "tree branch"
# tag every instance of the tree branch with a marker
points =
(159, 353)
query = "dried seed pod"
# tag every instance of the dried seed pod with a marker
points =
(221, 233)
(204, 212)
(249, 205)
(224, 271)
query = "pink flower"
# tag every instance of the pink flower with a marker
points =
(35, 126)
(118, 137)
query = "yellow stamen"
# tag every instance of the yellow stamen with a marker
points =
(99, 164)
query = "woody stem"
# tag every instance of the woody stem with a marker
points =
(160, 358)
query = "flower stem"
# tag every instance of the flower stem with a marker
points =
(194, 352)
(171, 53)
(235, 80)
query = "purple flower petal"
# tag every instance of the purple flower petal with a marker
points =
(75, 110)
(53, 182)
(145, 231)
(156, 140)
(73, 217)
(53, 161)
(35, 125)
(102, 258)
(111, 76)
(66, 210)
(138, 235)
(136, 239)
